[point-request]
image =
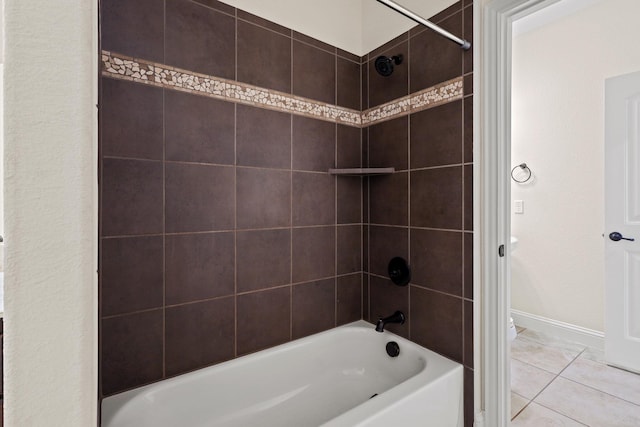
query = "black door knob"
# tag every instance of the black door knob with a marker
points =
(616, 237)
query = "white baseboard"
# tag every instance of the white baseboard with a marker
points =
(556, 328)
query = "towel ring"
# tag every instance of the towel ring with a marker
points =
(525, 169)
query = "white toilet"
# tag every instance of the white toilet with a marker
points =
(512, 333)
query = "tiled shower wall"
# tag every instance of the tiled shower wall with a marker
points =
(221, 231)
(424, 211)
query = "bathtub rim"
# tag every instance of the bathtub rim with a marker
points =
(437, 368)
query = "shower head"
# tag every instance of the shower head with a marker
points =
(384, 64)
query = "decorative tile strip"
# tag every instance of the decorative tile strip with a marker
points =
(141, 71)
(428, 98)
(127, 68)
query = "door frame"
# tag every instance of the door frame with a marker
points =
(493, 195)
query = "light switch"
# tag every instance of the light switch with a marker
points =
(518, 206)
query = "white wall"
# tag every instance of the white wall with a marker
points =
(558, 130)
(50, 339)
(357, 26)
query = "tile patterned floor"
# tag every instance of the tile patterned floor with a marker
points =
(558, 383)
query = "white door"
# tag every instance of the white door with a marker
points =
(622, 216)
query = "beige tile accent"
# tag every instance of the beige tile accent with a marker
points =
(428, 98)
(553, 359)
(536, 415)
(123, 67)
(619, 383)
(527, 380)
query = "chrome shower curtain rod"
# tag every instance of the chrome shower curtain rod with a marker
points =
(406, 12)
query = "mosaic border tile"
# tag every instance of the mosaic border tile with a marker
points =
(127, 68)
(428, 98)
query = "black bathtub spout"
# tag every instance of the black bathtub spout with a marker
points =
(397, 317)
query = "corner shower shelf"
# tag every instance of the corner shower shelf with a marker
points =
(362, 171)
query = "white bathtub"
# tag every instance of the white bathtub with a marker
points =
(325, 379)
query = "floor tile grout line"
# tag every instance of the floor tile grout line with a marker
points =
(559, 375)
(552, 380)
(598, 390)
(524, 407)
(552, 410)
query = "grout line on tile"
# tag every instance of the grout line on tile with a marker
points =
(596, 389)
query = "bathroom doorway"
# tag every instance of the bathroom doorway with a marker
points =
(592, 55)
(558, 211)
(557, 203)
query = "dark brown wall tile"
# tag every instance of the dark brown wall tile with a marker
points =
(468, 129)
(349, 256)
(365, 147)
(263, 197)
(348, 55)
(468, 35)
(436, 59)
(215, 4)
(199, 197)
(364, 80)
(468, 333)
(384, 89)
(204, 198)
(313, 307)
(254, 332)
(385, 299)
(263, 138)
(199, 334)
(436, 198)
(200, 39)
(468, 197)
(348, 84)
(264, 57)
(436, 136)
(469, 412)
(365, 200)
(365, 247)
(349, 299)
(134, 131)
(467, 83)
(386, 243)
(468, 265)
(389, 144)
(314, 73)
(314, 196)
(349, 200)
(389, 199)
(199, 266)
(134, 28)
(349, 149)
(436, 322)
(198, 129)
(264, 259)
(131, 272)
(436, 260)
(314, 144)
(131, 197)
(365, 297)
(131, 351)
(313, 252)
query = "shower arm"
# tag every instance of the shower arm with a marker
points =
(406, 12)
